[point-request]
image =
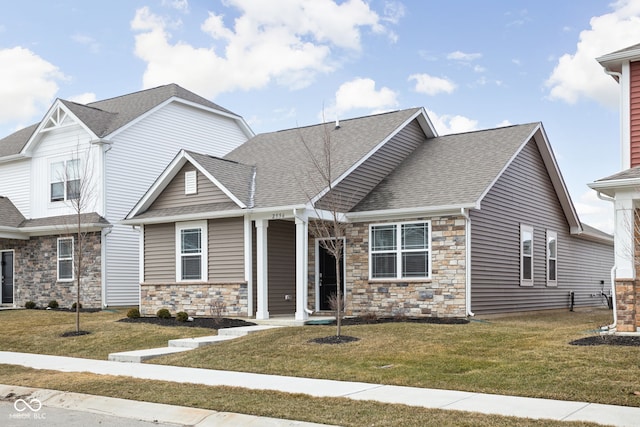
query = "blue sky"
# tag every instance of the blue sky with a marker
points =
(287, 63)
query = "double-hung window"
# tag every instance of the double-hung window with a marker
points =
(400, 251)
(65, 180)
(65, 259)
(552, 258)
(191, 251)
(526, 255)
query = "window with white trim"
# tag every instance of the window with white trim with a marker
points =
(191, 251)
(526, 255)
(65, 259)
(400, 251)
(552, 258)
(65, 180)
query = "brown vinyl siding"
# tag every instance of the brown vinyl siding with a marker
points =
(160, 253)
(226, 250)
(524, 195)
(634, 113)
(369, 174)
(174, 196)
(281, 248)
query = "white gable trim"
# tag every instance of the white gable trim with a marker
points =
(165, 178)
(35, 136)
(542, 142)
(427, 128)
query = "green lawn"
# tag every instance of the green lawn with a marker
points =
(521, 355)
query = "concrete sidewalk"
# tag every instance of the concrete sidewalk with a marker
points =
(413, 396)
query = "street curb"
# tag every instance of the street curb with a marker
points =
(143, 411)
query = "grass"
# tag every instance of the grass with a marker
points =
(522, 355)
(300, 407)
(39, 331)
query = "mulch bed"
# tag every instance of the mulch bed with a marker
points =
(623, 340)
(333, 339)
(349, 321)
(198, 322)
(74, 334)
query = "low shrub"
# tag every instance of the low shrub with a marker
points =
(73, 306)
(181, 316)
(133, 313)
(53, 304)
(29, 305)
(164, 313)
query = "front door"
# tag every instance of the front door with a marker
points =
(328, 277)
(6, 274)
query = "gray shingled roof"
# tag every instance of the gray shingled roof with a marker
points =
(187, 210)
(65, 220)
(10, 216)
(106, 116)
(236, 177)
(285, 172)
(625, 174)
(448, 170)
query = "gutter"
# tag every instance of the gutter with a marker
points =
(612, 327)
(467, 264)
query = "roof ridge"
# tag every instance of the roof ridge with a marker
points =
(490, 129)
(91, 104)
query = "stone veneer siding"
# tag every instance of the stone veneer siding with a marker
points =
(36, 271)
(441, 296)
(196, 299)
(627, 300)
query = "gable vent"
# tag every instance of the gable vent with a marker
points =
(190, 182)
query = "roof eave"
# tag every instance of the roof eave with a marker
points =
(403, 213)
(12, 233)
(46, 230)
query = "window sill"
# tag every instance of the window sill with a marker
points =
(406, 280)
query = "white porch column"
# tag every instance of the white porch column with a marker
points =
(624, 240)
(302, 267)
(261, 269)
(248, 263)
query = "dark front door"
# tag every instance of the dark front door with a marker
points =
(328, 277)
(6, 272)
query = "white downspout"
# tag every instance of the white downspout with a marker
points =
(612, 326)
(467, 263)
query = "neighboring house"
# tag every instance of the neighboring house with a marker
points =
(435, 226)
(122, 143)
(623, 188)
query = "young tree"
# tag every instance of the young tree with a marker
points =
(79, 194)
(331, 232)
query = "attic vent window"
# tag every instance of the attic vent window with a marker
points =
(190, 182)
(58, 119)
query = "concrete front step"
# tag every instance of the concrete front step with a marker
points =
(138, 356)
(244, 330)
(183, 344)
(199, 341)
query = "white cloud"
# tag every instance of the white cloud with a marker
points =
(83, 98)
(465, 57)
(579, 75)
(88, 41)
(28, 86)
(361, 93)
(179, 5)
(504, 123)
(447, 124)
(288, 43)
(431, 85)
(595, 212)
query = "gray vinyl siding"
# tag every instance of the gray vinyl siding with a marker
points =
(160, 253)
(524, 195)
(365, 177)
(174, 196)
(226, 250)
(281, 248)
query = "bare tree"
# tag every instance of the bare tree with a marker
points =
(331, 232)
(79, 194)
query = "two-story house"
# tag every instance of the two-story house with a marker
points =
(623, 188)
(104, 154)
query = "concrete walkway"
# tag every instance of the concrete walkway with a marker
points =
(413, 396)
